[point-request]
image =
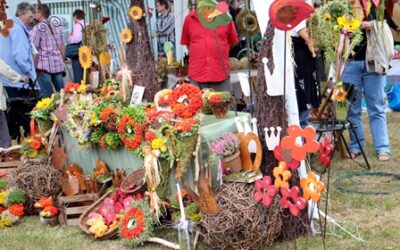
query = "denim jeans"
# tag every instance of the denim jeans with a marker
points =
(371, 85)
(78, 71)
(303, 118)
(50, 82)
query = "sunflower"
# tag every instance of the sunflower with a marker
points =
(136, 13)
(349, 23)
(85, 57)
(126, 35)
(105, 58)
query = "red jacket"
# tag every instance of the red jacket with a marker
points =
(208, 57)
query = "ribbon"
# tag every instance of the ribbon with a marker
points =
(339, 56)
(220, 173)
(152, 175)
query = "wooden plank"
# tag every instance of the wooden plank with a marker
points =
(78, 198)
(10, 164)
(73, 222)
(76, 210)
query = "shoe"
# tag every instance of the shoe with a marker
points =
(353, 154)
(383, 156)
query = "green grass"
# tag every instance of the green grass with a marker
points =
(376, 219)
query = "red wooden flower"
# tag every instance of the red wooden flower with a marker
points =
(282, 175)
(265, 191)
(299, 151)
(312, 188)
(285, 155)
(291, 199)
(325, 152)
(287, 14)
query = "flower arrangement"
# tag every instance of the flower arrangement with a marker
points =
(226, 146)
(339, 93)
(186, 100)
(11, 207)
(45, 107)
(34, 146)
(219, 97)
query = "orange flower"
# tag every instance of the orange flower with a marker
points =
(35, 144)
(282, 175)
(105, 113)
(311, 187)
(134, 231)
(298, 151)
(17, 210)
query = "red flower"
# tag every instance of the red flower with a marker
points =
(137, 228)
(325, 152)
(71, 87)
(106, 113)
(51, 210)
(299, 152)
(17, 210)
(186, 100)
(284, 155)
(149, 136)
(265, 191)
(1, 209)
(185, 125)
(214, 98)
(291, 199)
(35, 144)
(102, 142)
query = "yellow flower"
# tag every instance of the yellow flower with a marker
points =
(157, 143)
(349, 23)
(44, 103)
(136, 13)
(5, 222)
(82, 88)
(105, 58)
(32, 154)
(327, 16)
(3, 197)
(339, 94)
(85, 57)
(126, 35)
(94, 119)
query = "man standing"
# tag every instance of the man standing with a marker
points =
(165, 25)
(16, 50)
(209, 48)
(48, 39)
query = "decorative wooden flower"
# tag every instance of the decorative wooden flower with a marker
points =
(265, 191)
(299, 152)
(325, 152)
(126, 35)
(5, 23)
(291, 199)
(287, 14)
(105, 58)
(85, 57)
(136, 13)
(285, 155)
(282, 175)
(312, 188)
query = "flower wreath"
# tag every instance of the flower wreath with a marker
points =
(136, 225)
(131, 142)
(186, 100)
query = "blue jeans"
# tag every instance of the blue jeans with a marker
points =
(303, 118)
(78, 71)
(50, 82)
(371, 85)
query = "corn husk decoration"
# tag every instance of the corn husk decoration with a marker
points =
(152, 174)
(124, 74)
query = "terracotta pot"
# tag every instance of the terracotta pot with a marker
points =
(233, 162)
(220, 110)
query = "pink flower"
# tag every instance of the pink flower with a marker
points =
(291, 199)
(325, 152)
(265, 191)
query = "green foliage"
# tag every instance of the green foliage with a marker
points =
(3, 184)
(136, 112)
(16, 196)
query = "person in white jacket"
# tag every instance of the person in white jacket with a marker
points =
(10, 74)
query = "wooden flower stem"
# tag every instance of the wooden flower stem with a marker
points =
(163, 242)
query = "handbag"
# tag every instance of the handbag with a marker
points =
(72, 50)
(394, 97)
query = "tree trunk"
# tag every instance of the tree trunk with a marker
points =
(269, 110)
(139, 57)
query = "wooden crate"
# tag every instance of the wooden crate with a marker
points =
(9, 166)
(71, 207)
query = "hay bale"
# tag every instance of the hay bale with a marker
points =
(36, 179)
(241, 223)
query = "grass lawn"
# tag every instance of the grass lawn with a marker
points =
(373, 218)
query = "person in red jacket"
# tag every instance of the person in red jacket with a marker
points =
(208, 52)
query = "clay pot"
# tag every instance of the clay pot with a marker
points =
(233, 162)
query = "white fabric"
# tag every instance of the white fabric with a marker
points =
(7, 72)
(380, 49)
(300, 26)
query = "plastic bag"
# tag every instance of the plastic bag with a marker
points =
(394, 97)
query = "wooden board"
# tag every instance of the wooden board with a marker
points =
(71, 207)
(8, 167)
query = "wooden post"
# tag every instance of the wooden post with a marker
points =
(139, 57)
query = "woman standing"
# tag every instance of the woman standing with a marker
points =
(76, 38)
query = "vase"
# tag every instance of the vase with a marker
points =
(234, 162)
(44, 125)
(220, 110)
(51, 221)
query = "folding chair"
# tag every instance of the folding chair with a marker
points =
(337, 125)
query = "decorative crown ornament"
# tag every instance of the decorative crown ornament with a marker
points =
(272, 140)
(274, 81)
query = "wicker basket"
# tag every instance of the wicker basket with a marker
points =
(83, 218)
(137, 177)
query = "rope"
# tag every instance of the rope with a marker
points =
(339, 182)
